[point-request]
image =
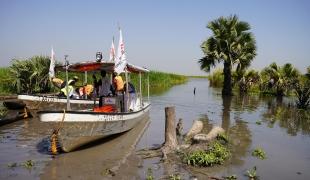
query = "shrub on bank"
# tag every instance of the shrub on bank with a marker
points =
(5, 81)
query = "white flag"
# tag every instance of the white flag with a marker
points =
(112, 51)
(52, 65)
(120, 62)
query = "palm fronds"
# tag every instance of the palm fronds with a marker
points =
(30, 75)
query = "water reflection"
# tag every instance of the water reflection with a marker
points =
(226, 112)
(286, 116)
(238, 132)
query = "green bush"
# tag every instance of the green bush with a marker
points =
(216, 154)
(5, 81)
(30, 75)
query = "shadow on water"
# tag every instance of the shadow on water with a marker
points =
(44, 146)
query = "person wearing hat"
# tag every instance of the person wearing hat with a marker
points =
(71, 88)
(118, 85)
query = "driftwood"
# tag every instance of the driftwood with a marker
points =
(195, 129)
(215, 131)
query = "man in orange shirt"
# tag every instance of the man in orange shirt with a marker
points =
(118, 84)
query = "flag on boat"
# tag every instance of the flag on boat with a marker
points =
(52, 65)
(120, 61)
(112, 51)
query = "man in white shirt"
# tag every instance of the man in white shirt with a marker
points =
(103, 86)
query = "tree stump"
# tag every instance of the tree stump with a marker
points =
(170, 134)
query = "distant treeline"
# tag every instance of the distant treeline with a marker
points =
(31, 76)
(273, 80)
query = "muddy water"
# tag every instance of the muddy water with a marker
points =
(284, 134)
(28, 140)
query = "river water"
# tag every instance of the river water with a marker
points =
(284, 134)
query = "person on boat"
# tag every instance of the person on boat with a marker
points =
(103, 86)
(118, 83)
(71, 88)
(57, 82)
(86, 91)
(118, 86)
(131, 100)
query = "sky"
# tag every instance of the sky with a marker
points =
(162, 35)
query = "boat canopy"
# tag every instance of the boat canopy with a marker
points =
(108, 66)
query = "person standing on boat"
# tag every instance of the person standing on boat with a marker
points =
(118, 85)
(131, 100)
(103, 86)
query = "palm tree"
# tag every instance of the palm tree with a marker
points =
(30, 75)
(302, 90)
(20, 72)
(247, 80)
(280, 79)
(39, 76)
(231, 43)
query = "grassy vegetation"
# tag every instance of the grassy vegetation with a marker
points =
(31, 76)
(5, 83)
(216, 79)
(159, 81)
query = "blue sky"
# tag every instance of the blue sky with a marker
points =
(162, 35)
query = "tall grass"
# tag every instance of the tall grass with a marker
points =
(159, 81)
(216, 79)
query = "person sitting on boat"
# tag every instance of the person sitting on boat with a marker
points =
(118, 86)
(86, 91)
(57, 82)
(71, 88)
(103, 86)
(131, 100)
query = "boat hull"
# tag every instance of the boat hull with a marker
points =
(83, 127)
(54, 99)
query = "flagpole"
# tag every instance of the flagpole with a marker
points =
(67, 88)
